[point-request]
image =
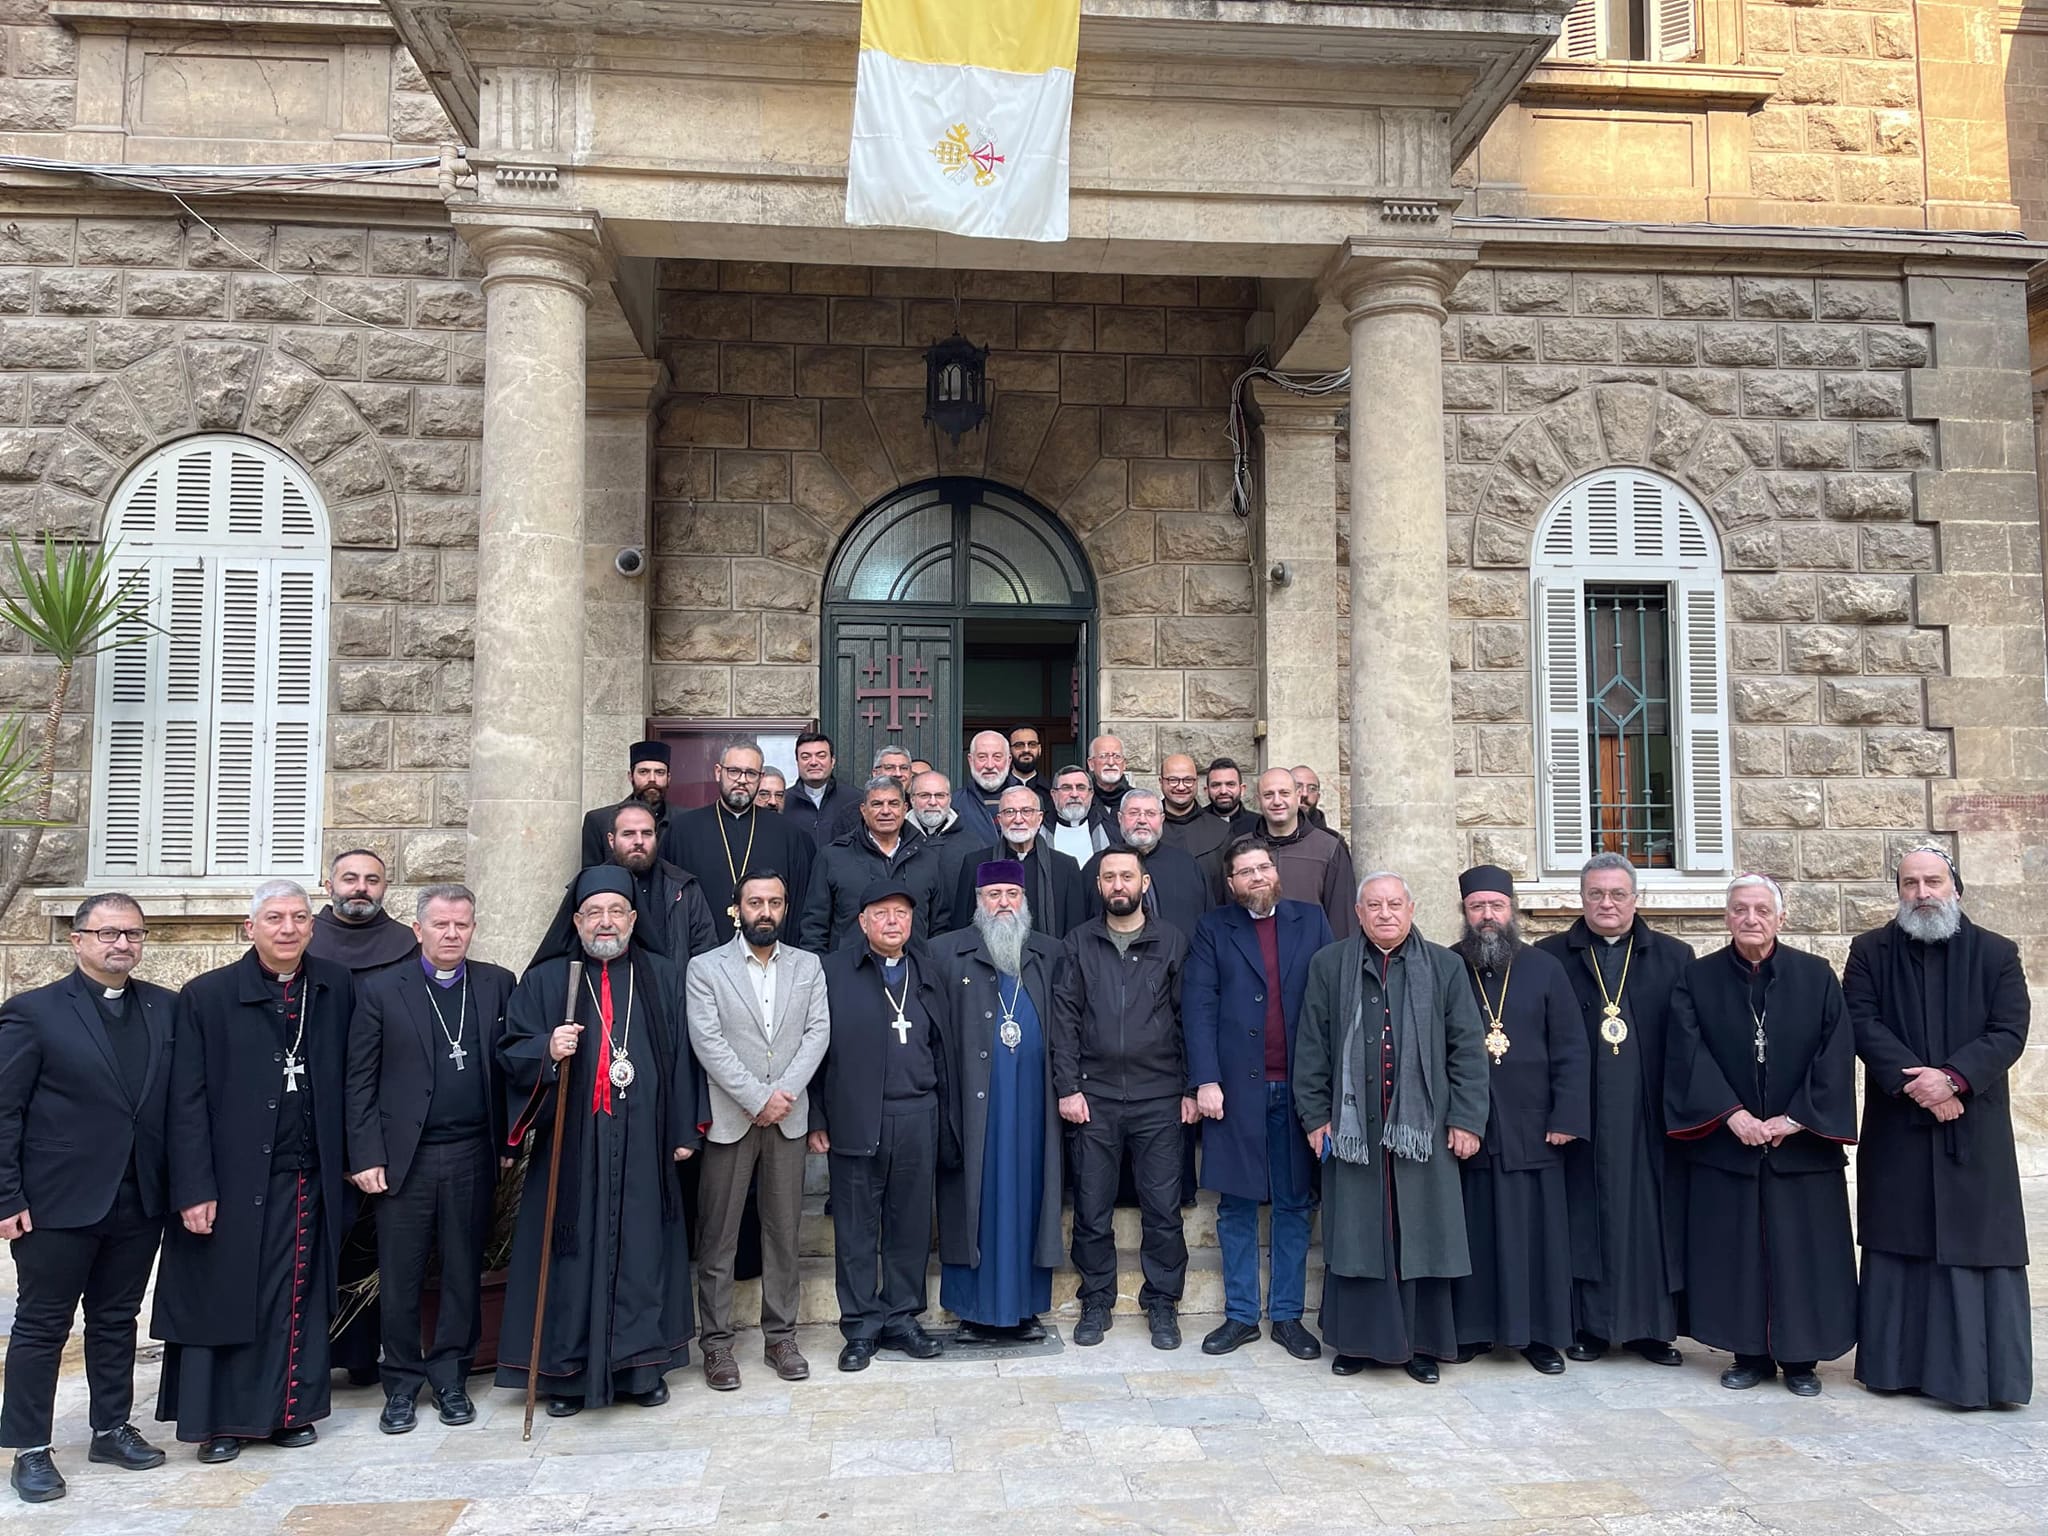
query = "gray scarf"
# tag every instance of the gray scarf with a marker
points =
(1411, 1114)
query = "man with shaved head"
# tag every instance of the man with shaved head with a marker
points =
(1315, 864)
(1189, 827)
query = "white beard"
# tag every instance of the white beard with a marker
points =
(991, 785)
(1073, 815)
(1004, 934)
(1936, 927)
(604, 948)
(931, 821)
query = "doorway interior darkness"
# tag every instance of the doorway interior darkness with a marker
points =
(953, 606)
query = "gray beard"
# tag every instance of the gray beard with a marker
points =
(604, 949)
(1012, 840)
(931, 821)
(358, 910)
(1073, 815)
(1936, 927)
(991, 785)
(1150, 840)
(1489, 948)
(1003, 935)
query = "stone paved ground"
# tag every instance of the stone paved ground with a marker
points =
(1122, 1438)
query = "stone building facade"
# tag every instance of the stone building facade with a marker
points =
(1778, 279)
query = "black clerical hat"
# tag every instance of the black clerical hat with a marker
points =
(886, 888)
(1486, 877)
(648, 752)
(600, 879)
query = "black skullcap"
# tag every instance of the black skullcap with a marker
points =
(648, 752)
(602, 878)
(1940, 853)
(1486, 877)
(885, 888)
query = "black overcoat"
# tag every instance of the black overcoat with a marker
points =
(846, 1095)
(1544, 1082)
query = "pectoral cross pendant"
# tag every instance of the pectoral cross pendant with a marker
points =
(458, 1055)
(902, 1027)
(294, 1069)
(732, 914)
(1759, 1042)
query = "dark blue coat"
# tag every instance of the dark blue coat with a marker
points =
(1223, 1018)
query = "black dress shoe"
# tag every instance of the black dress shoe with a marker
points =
(1095, 1322)
(911, 1339)
(298, 1435)
(1586, 1348)
(1165, 1327)
(653, 1397)
(1803, 1383)
(564, 1407)
(36, 1478)
(1657, 1351)
(1544, 1359)
(1030, 1331)
(125, 1448)
(1422, 1369)
(1740, 1378)
(980, 1333)
(400, 1416)
(455, 1406)
(1228, 1335)
(856, 1355)
(1470, 1352)
(1348, 1365)
(219, 1449)
(1291, 1336)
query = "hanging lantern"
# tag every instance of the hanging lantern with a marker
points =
(956, 386)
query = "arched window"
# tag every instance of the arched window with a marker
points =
(1631, 678)
(209, 714)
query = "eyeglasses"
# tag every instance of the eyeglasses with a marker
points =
(1109, 757)
(111, 936)
(1177, 778)
(1019, 812)
(740, 773)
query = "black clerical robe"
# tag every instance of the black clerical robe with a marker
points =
(244, 1310)
(1944, 1303)
(718, 846)
(619, 1314)
(1627, 1196)
(1770, 1269)
(381, 942)
(1517, 1219)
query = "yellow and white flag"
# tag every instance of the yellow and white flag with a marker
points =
(961, 116)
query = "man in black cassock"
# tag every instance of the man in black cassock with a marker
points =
(1390, 1084)
(1940, 1011)
(246, 1288)
(729, 838)
(1053, 893)
(1624, 1185)
(619, 1315)
(1519, 1293)
(647, 769)
(354, 930)
(1760, 1092)
(876, 1109)
(999, 1203)
(672, 918)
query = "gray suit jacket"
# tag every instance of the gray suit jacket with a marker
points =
(743, 1061)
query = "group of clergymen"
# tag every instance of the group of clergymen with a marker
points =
(1594, 1141)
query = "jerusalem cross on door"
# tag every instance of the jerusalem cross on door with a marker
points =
(894, 686)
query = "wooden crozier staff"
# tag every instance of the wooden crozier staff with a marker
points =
(547, 1230)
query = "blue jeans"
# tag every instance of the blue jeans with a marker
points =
(1237, 1226)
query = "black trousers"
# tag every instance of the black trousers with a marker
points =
(1151, 1129)
(444, 1208)
(882, 1223)
(105, 1265)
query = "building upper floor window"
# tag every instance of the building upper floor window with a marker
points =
(1664, 31)
(209, 712)
(1631, 678)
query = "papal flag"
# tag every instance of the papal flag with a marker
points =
(961, 115)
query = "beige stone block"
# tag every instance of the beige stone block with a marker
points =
(702, 421)
(1822, 648)
(1130, 329)
(1091, 380)
(1504, 749)
(1885, 804)
(1756, 648)
(1758, 752)
(699, 692)
(1778, 803)
(1102, 494)
(1144, 695)
(1124, 543)
(379, 799)
(775, 691)
(1207, 642)
(709, 528)
(768, 584)
(427, 743)
(852, 446)
(1220, 695)
(724, 637)
(1495, 803)
(1202, 538)
(1128, 642)
(1825, 752)
(1016, 429)
(1774, 700)
(1134, 433)
(1841, 856)
(1872, 703)
(1221, 589)
(1489, 697)
(790, 637)
(1149, 589)
(795, 539)
(899, 421)
(1485, 595)
(357, 744)
(1906, 753)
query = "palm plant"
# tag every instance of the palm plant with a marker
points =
(69, 607)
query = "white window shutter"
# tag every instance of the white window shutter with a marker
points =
(1702, 720)
(241, 608)
(1583, 37)
(1674, 30)
(1562, 807)
(297, 706)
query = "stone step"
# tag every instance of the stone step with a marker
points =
(814, 1237)
(818, 1302)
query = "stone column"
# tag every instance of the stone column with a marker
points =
(1299, 681)
(617, 483)
(526, 763)
(1403, 795)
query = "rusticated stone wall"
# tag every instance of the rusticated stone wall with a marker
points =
(120, 334)
(800, 403)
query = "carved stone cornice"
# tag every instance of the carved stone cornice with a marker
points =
(1368, 278)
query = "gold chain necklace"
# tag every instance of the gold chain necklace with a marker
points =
(753, 825)
(1613, 1027)
(1496, 1031)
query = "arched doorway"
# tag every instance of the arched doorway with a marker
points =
(953, 606)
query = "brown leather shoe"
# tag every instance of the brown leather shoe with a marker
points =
(787, 1360)
(721, 1371)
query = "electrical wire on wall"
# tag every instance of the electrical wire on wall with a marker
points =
(1238, 429)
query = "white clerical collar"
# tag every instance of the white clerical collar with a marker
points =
(1272, 911)
(1610, 939)
(112, 991)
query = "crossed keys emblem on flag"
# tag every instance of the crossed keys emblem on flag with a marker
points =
(957, 152)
